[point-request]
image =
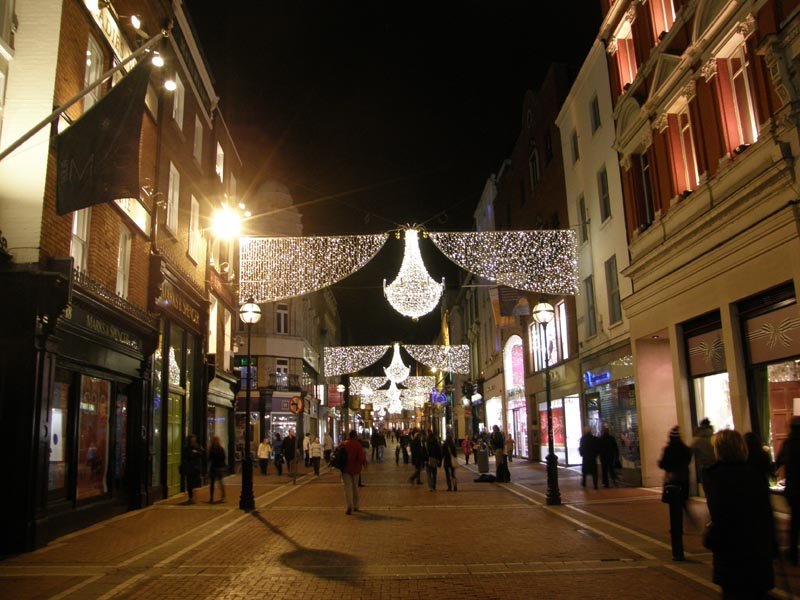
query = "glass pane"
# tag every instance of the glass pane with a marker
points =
(59, 449)
(175, 355)
(712, 401)
(190, 356)
(743, 108)
(93, 437)
(777, 389)
(155, 436)
(121, 445)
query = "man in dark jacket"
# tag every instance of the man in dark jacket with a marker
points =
(609, 456)
(290, 455)
(417, 457)
(498, 443)
(405, 440)
(588, 449)
(675, 462)
(789, 459)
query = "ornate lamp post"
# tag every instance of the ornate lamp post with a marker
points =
(249, 313)
(543, 313)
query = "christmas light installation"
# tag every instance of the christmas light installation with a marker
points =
(454, 359)
(342, 360)
(396, 372)
(275, 268)
(543, 261)
(419, 384)
(413, 293)
(366, 386)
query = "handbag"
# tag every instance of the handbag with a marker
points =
(433, 463)
(671, 493)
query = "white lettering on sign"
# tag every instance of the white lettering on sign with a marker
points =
(107, 22)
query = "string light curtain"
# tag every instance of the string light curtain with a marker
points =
(443, 358)
(342, 360)
(413, 293)
(275, 268)
(366, 386)
(396, 372)
(419, 384)
(543, 261)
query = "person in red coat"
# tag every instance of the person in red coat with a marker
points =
(356, 459)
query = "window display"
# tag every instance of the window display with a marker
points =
(93, 437)
(59, 452)
(712, 401)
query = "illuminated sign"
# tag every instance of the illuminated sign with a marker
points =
(593, 379)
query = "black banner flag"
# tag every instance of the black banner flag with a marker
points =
(98, 156)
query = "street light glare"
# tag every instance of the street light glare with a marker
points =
(226, 224)
(170, 85)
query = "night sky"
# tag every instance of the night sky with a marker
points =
(380, 114)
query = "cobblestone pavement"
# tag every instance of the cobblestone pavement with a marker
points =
(484, 541)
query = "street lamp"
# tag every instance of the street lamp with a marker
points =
(249, 313)
(543, 313)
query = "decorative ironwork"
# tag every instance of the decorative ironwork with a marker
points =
(94, 288)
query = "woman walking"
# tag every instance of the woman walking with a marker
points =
(433, 451)
(741, 532)
(216, 468)
(315, 453)
(449, 462)
(192, 465)
(675, 463)
(466, 448)
(264, 452)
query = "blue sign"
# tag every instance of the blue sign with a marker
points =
(593, 379)
(438, 397)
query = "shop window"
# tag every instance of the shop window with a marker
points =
(198, 141)
(79, 242)
(712, 400)
(583, 218)
(228, 339)
(594, 113)
(683, 150)
(612, 289)
(736, 97)
(156, 435)
(603, 194)
(173, 198)
(282, 318)
(626, 55)
(534, 171)
(195, 236)
(178, 98)
(212, 324)
(559, 430)
(94, 69)
(576, 152)
(123, 261)
(120, 440)
(662, 15)
(591, 314)
(93, 437)
(176, 357)
(219, 165)
(58, 465)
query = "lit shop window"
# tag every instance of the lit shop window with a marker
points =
(683, 152)
(94, 68)
(662, 14)
(551, 346)
(626, 56)
(79, 244)
(195, 238)
(173, 195)
(712, 400)
(123, 261)
(733, 67)
(178, 96)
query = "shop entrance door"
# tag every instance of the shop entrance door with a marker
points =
(174, 443)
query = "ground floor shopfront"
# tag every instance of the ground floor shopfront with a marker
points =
(565, 390)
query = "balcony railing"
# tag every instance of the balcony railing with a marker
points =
(284, 382)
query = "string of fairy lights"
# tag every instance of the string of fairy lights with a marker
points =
(348, 360)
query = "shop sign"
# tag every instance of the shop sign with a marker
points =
(592, 378)
(81, 317)
(775, 335)
(438, 397)
(172, 300)
(335, 398)
(108, 24)
(220, 289)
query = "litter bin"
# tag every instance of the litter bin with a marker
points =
(483, 460)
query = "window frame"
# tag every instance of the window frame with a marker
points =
(173, 199)
(197, 145)
(612, 290)
(591, 306)
(123, 261)
(743, 71)
(195, 235)
(227, 339)
(576, 151)
(219, 164)
(79, 246)
(213, 319)
(594, 114)
(648, 200)
(178, 101)
(603, 194)
(534, 168)
(583, 219)
(662, 17)
(282, 318)
(92, 73)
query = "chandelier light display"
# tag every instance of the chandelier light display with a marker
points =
(341, 360)
(413, 293)
(396, 372)
(454, 359)
(274, 268)
(366, 386)
(419, 384)
(543, 261)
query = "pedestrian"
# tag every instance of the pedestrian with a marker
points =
(264, 452)
(702, 450)
(290, 455)
(417, 458)
(381, 445)
(509, 447)
(433, 459)
(449, 462)
(315, 454)
(307, 450)
(757, 456)
(192, 465)
(356, 460)
(475, 446)
(498, 444)
(675, 463)
(216, 468)
(609, 456)
(405, 443)
(364, 441)
(588, 450)
(374, 443)
(397, 455)
(277, 451)
(741, 532)
(789, 459)
(327, 447)
(466, 447)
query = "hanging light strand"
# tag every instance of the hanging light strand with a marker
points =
(454, 359)
(413, 293)
(274, 268)
(343, 360)
(543, 261)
